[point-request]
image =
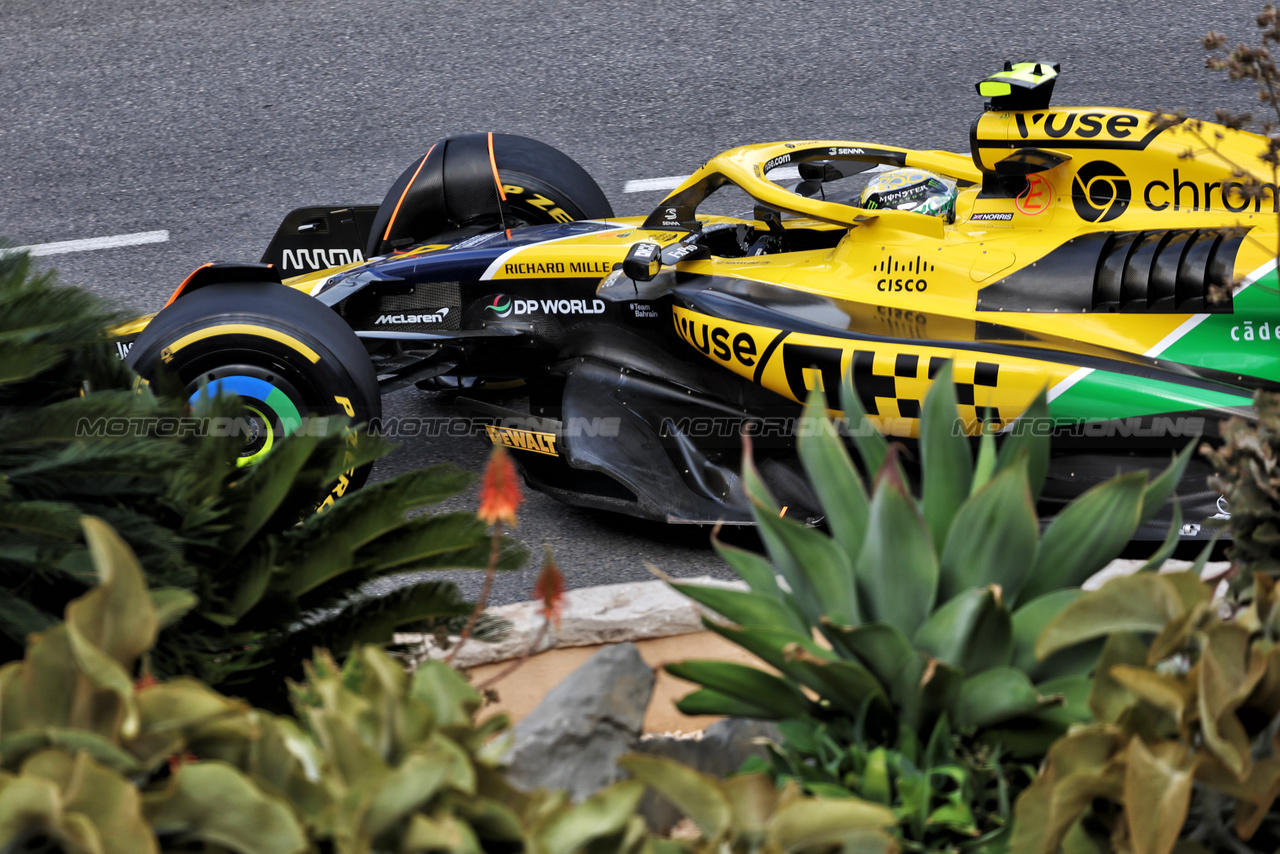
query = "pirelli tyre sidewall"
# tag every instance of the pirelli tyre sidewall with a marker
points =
(284, 354)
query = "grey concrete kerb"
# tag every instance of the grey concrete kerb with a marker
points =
(613, 613)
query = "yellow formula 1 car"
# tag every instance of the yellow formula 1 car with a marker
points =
(1108, 255)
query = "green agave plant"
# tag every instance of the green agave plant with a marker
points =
(911, 626)
(1185, 754)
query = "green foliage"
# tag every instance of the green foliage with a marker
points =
(1183, 755)
(376, 761)
(904, 639)
(747, 814)
(1248, 476)
(269, 578)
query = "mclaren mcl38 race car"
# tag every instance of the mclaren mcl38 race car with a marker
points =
(1108, 256)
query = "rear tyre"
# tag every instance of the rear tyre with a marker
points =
(285, 355)
(452, 187)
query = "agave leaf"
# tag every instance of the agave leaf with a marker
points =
(833, 477)
(872, 447)
(707, 702)
(817, 570)
(747, 684)
(884, 651)
(214, 803)
(897, 570)
(932, 689)
(973, 632)
(993, 540)
(699, 796)
(1028, 441)
(1131, 603)
(1170, 544)
(1157, 792)
(1087, 535)
(752, 568)
(1030, 620)
(995, 696)
(1162, 487)
(745, 608)
(985, 466)
(946, 461)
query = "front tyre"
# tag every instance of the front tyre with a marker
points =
(282, 353)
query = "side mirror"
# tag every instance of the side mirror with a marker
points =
(642, 262)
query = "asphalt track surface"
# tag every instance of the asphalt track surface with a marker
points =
(211, 120)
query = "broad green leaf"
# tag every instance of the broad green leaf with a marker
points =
(414, 781)
(698, 796)
(603, 814)
(753, 798)
(745, 608)
(833, 476)
(946, 461)
(110, 803)
(214, 803)
(1077, 770)
(1131, 603)
(1173, 695)
(972, 632)
(778, 696)
(1109, 700)
(1028, 439)
(815, 823)
(995, 696)
(1163, 486)
(993, 540)
(872, 447)
(171, 604)
(897, 570)
(1157, 792)
(117, 617)
(1088, 534)
(1226, 680)
(933, 690)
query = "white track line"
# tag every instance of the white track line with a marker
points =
(91, 243)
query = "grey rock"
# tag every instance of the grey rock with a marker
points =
(573, 738)
(723, 748)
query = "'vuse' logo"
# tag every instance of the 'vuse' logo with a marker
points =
(1100, 191)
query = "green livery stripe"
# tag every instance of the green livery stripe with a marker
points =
(1246, 342)
(1102, 396)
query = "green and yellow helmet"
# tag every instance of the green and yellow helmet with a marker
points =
(911, 190)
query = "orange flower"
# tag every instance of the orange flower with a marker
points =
(145, 681)
(500, 491)
(549, 589)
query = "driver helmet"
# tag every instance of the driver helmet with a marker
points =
(911, 190)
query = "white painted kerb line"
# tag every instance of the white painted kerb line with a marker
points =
(91, 243)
